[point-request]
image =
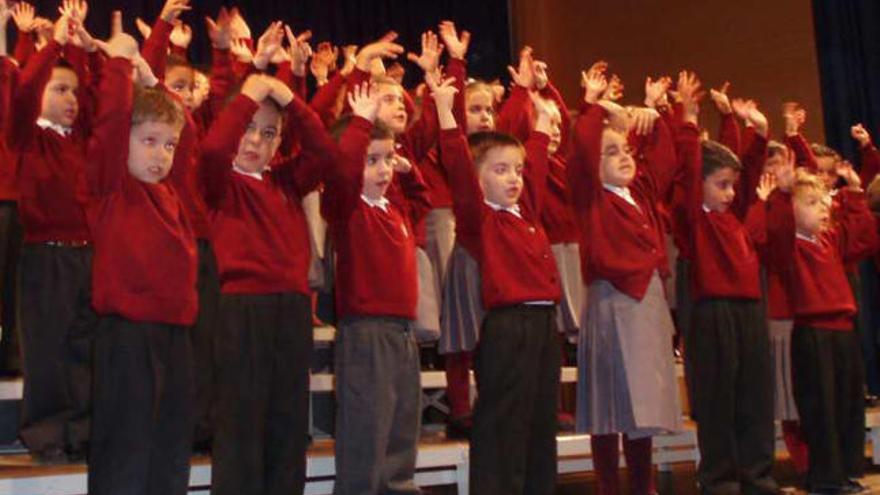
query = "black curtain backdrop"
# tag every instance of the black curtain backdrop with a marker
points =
(338, 21)
(848, 44)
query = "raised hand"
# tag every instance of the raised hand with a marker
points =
(690, 91)
(119, 45)
(5, 13)
(655, 91)
(429, 59)
(300, 50)
(268, 44)
(456, 45)
(349, 57)
(145, 29)
(860, 134)
(241, 51)
(364, 101)
(172, 10)
(61, 31)
(846, 172)
(720, 98)
(643, 120)
(443, 91)
(239, 28)
(594, 82)
(384, 47)
(323, 61)
(794, 117)
(785, 171)
(76, 10)
(766, 186)
(115, 23)
(279, 91)
(524, 74)
(256, 87)
(23, 14)
(143, 74)
(541, 77)
(181, 35)
(220, 31)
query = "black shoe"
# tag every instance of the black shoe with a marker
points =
(50, 457)
(853, 486)
(202, 447)
(459, 428)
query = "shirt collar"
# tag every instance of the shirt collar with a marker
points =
(513, 210)
(381, 203)
(623, 192)
(254, 175)
(48, 124)
(808, 238)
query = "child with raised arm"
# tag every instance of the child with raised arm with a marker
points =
(144, 288)
(626, 373)
(810, 252)
(51, 101)
(378, 387)
(498, 201)
(264, 341)
(728, 347)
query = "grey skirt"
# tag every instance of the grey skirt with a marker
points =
(626, 370)
(780, 348)
(574, 292)
(427, 309)
(461, 308)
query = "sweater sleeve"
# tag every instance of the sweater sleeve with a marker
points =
(155, 49)
(467, 196)
(28, 95)
(108, 145)
(515, 115)
(583, 167)
(857, 233)
(220, 146)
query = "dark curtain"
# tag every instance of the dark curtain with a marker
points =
(339, 21)
(848, 45)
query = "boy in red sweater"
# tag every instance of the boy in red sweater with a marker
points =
(144, 288)
(498, 201)
(264, 342)
(811, 253)
(378, 391)
(728, 347)
(51, 102)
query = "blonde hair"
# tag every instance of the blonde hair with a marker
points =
(806, 182)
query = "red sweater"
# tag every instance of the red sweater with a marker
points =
(258, 226)
(145, 260)
(625, 244)
(8, 81)
(813, 270)
(516, 264)
(375, 248)
(51, 167)
(725, 262)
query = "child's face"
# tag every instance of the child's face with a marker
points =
(617, 167)
(151, 146)
(378, 168)
(260, 140)
(827, 170)
(392, 111)
(59, 104)
(480, 111)
(774, 163)
(501, 175)
(179, 79)
(811, 211)
(555, 130)
(201, 88)
(718, 189)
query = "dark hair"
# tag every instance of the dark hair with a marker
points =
(716, 156)
(481, 142)
(176, 61)
(775, 148)
(379, 131)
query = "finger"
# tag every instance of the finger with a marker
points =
(116, 23)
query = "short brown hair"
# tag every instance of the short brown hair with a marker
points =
(775, 148)
(716, 156)
(822, 151)
(155, 105)
(481, 143)
(806, 181)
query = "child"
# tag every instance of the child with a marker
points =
(827, 368)
(626, 373)
(729, 347)
(143, 284)
(264, 341)
(498, 204)
(52, 105)
(378, 387)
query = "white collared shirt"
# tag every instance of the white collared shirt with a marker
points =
(254, 175)
(513, 210)
(381, 203)
(623, 192)
(48, 124)
(807, 238)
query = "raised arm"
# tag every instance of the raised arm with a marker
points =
(27, 99)
(857, 231)
(795, 117)
(537, 167)
(870, 157)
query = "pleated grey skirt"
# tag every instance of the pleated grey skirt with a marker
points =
(461, 308)
(780, 348)
(626, 371)
(574, 292)
(427, 309)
